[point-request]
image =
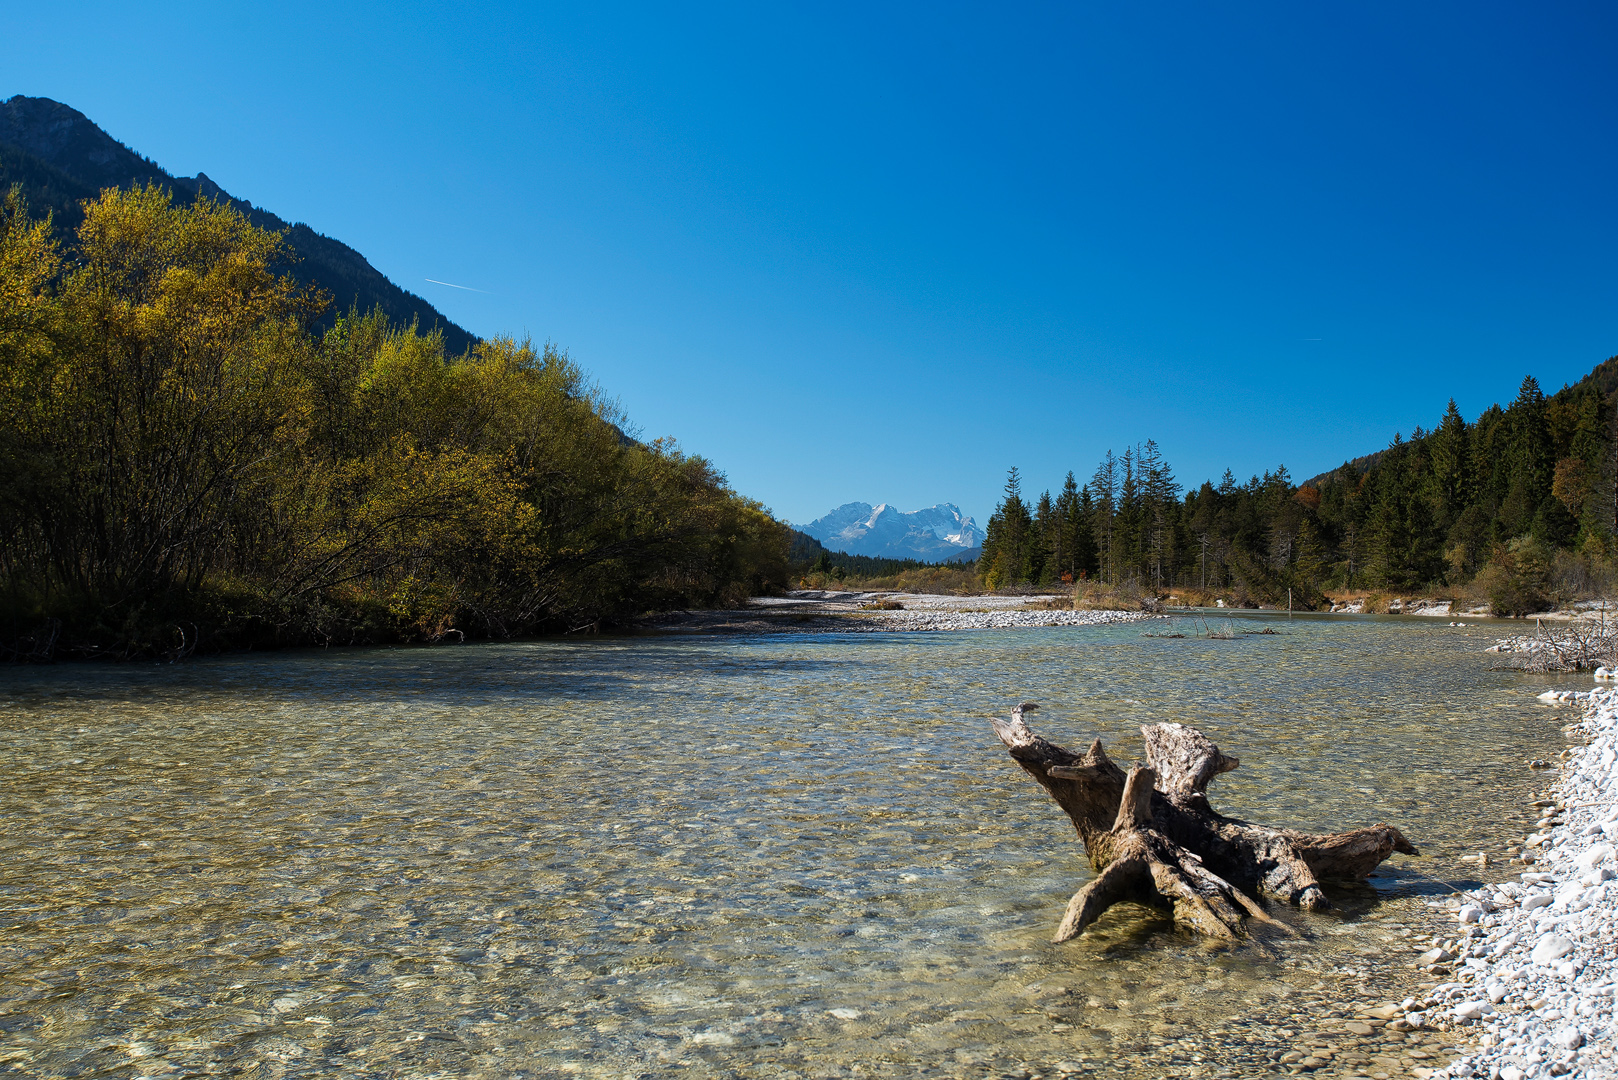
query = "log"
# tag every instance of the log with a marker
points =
(1154, 840)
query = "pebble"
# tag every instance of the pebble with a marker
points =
(1535, 996)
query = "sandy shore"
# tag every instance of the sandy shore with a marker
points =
(814, 610)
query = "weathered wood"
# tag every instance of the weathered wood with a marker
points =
(1154, 840)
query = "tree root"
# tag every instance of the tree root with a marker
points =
(1154, 840)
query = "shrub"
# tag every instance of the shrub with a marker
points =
(1517, 578)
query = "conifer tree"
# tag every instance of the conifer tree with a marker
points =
(1104, 512)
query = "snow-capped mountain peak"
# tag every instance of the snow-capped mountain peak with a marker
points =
(936, 534)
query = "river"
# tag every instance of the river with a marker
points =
(794, 855)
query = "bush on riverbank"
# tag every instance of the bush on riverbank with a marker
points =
(183, 463)
(953, 579)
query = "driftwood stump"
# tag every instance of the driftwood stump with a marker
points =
(1153, 839)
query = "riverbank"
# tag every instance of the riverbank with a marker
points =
(1540, 957)
(826, 611)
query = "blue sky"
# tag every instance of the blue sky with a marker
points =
(882, 252)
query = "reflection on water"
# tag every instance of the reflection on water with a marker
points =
(778, 856)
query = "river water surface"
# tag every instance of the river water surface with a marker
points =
(795, 855)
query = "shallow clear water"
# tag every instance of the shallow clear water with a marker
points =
(645, 856)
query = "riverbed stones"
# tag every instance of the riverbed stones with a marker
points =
(1549, 951)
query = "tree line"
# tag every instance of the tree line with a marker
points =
(1499, 502)
(185, 459)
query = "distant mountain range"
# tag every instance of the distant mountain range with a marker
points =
(60, 157)
(936, 534)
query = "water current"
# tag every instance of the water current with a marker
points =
(801, 855)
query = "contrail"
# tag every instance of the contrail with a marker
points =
(452, 285)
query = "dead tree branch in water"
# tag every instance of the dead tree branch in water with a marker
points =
(1153, 839)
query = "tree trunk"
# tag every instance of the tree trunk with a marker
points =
(1153, 839)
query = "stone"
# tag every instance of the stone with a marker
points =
(1538, 900)
(845, 1014)
(1550, 947)
(1358, 1027)
(1594, 856)
(713, 1038)
(1469, 913)
(1569, 1038)
(1472, 1010)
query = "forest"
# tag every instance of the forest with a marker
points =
(189, 460)
(1516, 507)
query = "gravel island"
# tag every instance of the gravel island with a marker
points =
(816, 610)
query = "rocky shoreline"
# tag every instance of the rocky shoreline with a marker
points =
(821, 611)
(1539, 958)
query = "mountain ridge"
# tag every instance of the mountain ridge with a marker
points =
(938, 533)
(1603, 378)
(60, 156)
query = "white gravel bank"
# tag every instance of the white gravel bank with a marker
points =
(1541, 957)
(996, 620)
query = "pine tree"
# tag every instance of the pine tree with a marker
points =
(1450, 452)
(1009, 538)
(1104, 513)
(1160, 497)
(1063, 548)
(1126, 528)
(1529, 462)
(1047, 529)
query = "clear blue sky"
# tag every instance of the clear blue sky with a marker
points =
(882, 253)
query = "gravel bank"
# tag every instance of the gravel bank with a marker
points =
(1541, 956)
(816, 611)
(993, 620)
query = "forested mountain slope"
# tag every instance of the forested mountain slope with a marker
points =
(1519, 504)
(61, 158)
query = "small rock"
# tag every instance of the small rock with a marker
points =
(713, 1038)
(1472, 1010)
(1469, 913)
(1538, 900)
(1357, 1027)
(1550, 947)
(1596, 855)
(1569, 1038)
(845, 1014)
